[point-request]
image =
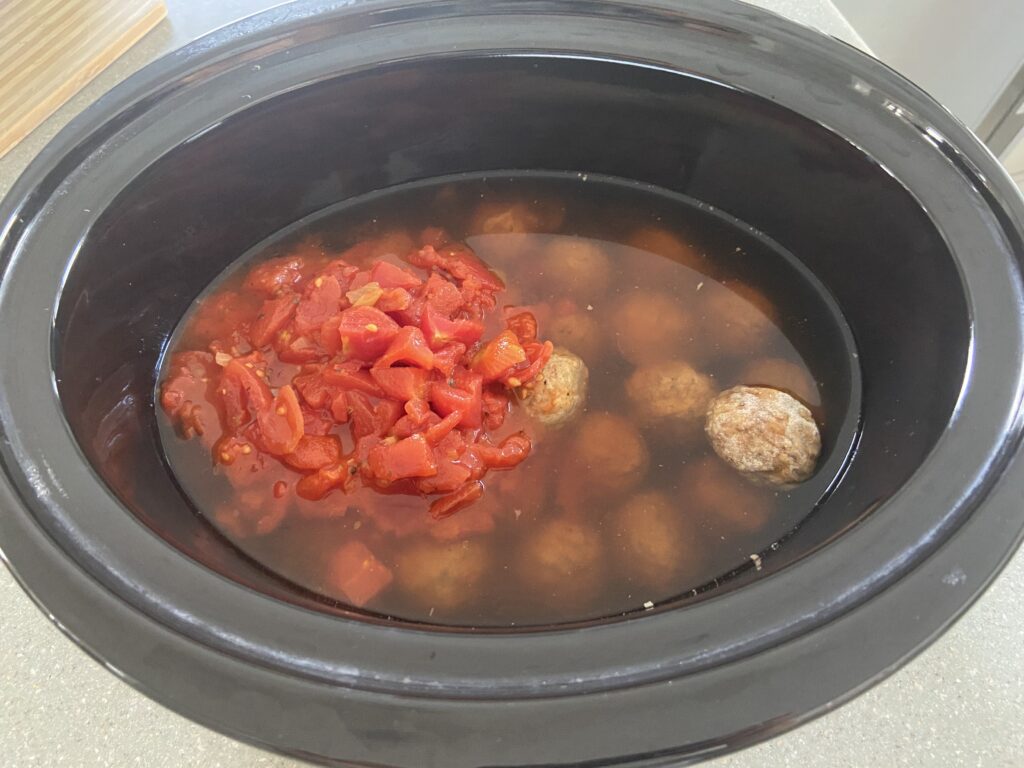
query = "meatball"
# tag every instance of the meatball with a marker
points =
(562, 560)
(736, 319)
(441, 576)
(767, 435)
(671, 396)
(558, 392)
(502, 232)
(651, 326)
(721, 500)
(668, 244)
(574, 267)
(658, 541)
(609, 453)
(782, 374)
(579, 331)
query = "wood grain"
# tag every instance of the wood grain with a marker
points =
(49, 49)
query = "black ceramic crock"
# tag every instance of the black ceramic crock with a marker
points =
(131, 210)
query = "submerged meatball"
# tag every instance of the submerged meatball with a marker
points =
(558, 392)
(576, 267)
(651, 326)
(503, 232)
(721, 500)
(671, 396)
(441, 576)
(610, 453)
(666, 243)
(736, 319)
(562, 559)
(782, 374)
(658, 541)
(766, 434)
(578, 331)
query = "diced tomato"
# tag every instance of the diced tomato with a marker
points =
(388, 275)
(273, 316)
(356, 575)
(243, 393)
(339, 408)
(296, 349)
(495, 407)
(322, 300)
(360, 409)
(499, 356)
(459, 261)
(440, 331)
(325, 480)
(447, 399)
(524, 326)
(386, 414)
(221, 315)
(447, 357)
(276, 275)
(281, 425)
(314, 452)
(402, 383)
(460, 499)
(363, 333)
(341, 271)
(411, 457)
(538, 354)
(394, 300)
(450, 476)
(184, 394)
(409, 346)
(316, 423)
(418, 410)
(512, 451)
(443, 295)
(350, 375)
(437, 432)
(314, 389)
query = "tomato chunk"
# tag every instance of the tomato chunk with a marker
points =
(460, 499)
(281, 425)
(440, 331)
(322, 300)
(388, 275)
(273, 316)
(499, 356)
(356, 575)
(411, 457)
(314, 452)
(402, 383)
(363, 333)
(409, 346)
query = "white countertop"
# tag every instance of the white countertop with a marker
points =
(960, 703)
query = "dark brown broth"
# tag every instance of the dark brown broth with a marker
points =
(727, 257)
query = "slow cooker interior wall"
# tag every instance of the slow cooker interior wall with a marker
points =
(197, 208)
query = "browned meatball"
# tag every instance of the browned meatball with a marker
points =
(574, 267)
(767, 435)
(558, 393)
(562, 560)
(609, 452)
(504, 217)
(656, 541)
(651, 326)
(578, 331)
(735, 319)
(722, 500)
(441, 576)
(782, 374)
(669, 244)
(670, 396)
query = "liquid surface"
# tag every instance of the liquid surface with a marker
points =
(620, 509)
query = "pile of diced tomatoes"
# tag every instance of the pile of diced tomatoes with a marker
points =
(389, 368)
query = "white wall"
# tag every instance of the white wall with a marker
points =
(963, 52)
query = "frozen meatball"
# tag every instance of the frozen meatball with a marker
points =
(666, 243)
(671, 396)
(721, 500)
(764, 433)
(736, 319)
(651, 326)
(578, 331)
(657, 540)
(609, 453)
(782, 374)
(558, 392)
(574, 267)
(562, 560)
(441, 576)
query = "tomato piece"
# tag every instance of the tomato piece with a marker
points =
(361, 413)
(450, 476)
(443, 295)
(296, 349)
(402, 383)
(341, 271)
(394, 300)
(276, 275)
(281, 425)
(523, 325)
(460, 499)
(388, 275)
(351, 376)
(386, 414)
(435, 433)
(363, 333)
(273, 316)
(411, 457)
(498, 357)
(356, 575)
(511, 452)
(322, 300)
(250, 514)
(538, 354)
(418, 410)
(184, 395)
(313, 389)
(409, 346)
(495, 408)
(243, 393)
(220, 315)
(447, 400)
(447, 357)
(440, 331)
(313, 452)
(459, 261)
(326, 479)
(339, 408)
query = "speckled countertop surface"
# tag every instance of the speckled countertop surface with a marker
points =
(960, 703)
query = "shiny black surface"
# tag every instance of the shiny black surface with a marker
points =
(895, 207)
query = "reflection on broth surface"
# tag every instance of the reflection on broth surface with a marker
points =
(363, 408)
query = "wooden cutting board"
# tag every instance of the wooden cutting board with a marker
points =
(49, 49)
